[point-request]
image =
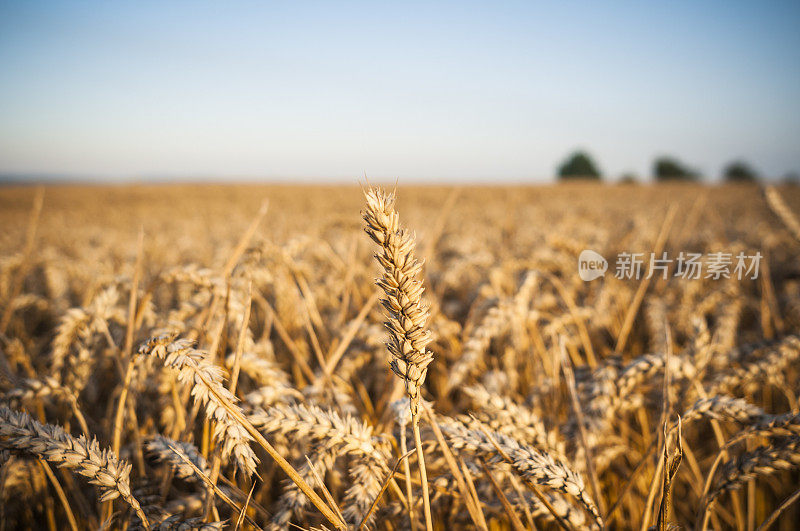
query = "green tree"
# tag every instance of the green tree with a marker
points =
(671, 169)
(739, 171)
(578, 165)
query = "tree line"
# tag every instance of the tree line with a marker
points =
(579, 165)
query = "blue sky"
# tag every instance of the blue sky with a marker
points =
(462, 91)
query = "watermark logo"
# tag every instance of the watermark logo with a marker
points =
(591, 265)
(688, 266)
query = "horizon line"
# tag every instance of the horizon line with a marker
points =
(60, 179)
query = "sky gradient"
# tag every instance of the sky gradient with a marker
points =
(462, 91)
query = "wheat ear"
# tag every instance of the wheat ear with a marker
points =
(335, 434)
(762, 461)
(206, 379)
(50, 442)
(724, 408)
(537, 467)
(406, 315)
(220, 406)
(160, 448)
(174, 523)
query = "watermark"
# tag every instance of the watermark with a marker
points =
(591, 265)
(689, 266)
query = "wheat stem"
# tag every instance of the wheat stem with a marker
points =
(423, 474)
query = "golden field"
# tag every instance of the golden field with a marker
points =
(214, 356)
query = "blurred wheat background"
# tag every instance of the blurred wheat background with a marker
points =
(205, 357)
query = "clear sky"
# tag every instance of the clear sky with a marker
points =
(461, 91)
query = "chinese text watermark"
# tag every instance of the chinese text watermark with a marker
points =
(689, 266)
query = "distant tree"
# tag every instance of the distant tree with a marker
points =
(792, 179)
(628, 178)
(578, 165)
(670, 169)
(739, 171)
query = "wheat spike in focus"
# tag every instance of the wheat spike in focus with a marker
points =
(407, 315)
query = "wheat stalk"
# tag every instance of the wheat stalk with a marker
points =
(406, 315)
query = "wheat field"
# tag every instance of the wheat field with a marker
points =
(343, 357)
